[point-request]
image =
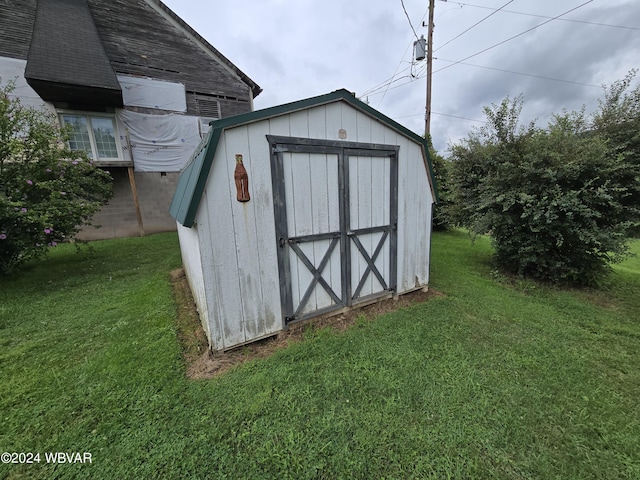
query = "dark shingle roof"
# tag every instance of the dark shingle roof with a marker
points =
(140, 37)
(66, 52)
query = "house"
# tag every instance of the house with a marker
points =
(299, 210)
(136, 83)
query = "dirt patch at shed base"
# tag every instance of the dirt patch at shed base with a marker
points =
(202, 363)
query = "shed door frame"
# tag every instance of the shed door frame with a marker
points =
(346, 239)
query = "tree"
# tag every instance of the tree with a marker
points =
(618, 121)
(441, 220)
(555, 201)
(47, 191)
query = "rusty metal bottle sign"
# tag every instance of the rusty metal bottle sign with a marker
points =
(242, 180)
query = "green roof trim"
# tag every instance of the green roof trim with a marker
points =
(193, 177)
(192, 181)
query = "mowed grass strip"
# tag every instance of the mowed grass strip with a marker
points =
(498, 378)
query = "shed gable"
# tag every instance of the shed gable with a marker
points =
(299, 119)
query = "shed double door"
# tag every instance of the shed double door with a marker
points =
(335, 206)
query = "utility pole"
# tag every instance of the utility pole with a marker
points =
(427, 117)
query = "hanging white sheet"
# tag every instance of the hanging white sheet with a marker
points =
(159, 143)
(150, 93)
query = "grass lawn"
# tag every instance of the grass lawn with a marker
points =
(498, 378)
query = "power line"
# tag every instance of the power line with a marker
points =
(395, 73)
(474, 25)
(398, 86)
(524, 74)
(410, 24)
(375, 91)
(515, 36)
(443, 115)
(386, 83)
(457, 116)
(544, 16)
(387, 86)
(389, 81)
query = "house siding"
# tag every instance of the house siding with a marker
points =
(16, 19)
(141, 38)
(165, 53)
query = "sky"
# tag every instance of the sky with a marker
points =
(484, 51)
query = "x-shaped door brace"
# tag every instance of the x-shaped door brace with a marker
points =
(316, 272)
(371, 266)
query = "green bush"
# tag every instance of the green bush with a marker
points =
(555, 201)
(441, 219)
(618, 121)
(47, 192)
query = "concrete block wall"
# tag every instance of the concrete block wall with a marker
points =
(118, 218)
(155, 191)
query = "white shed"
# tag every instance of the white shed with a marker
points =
(333, 212)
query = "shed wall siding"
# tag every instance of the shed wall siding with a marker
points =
(414, 194)
(192, 264)
(415, 198)
(240, 239)
(253, 228)
(209, 236)
(243, 284)
(414, 214)
(223, 277)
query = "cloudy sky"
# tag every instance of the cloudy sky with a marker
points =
(296, 49)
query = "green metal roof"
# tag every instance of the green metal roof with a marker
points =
(193, 177)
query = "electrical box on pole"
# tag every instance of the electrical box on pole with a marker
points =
(420, 48)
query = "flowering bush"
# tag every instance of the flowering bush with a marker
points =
(47, 192)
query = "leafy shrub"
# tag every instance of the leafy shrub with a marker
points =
(555, 201)
(441, 220)
(618, 121)
(47, 192)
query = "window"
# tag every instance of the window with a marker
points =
(95, 134)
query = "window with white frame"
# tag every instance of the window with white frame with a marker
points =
(95, 134)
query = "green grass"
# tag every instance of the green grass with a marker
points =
(499, 378)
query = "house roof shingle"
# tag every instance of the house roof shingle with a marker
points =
(140, 37)
(66, 61)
